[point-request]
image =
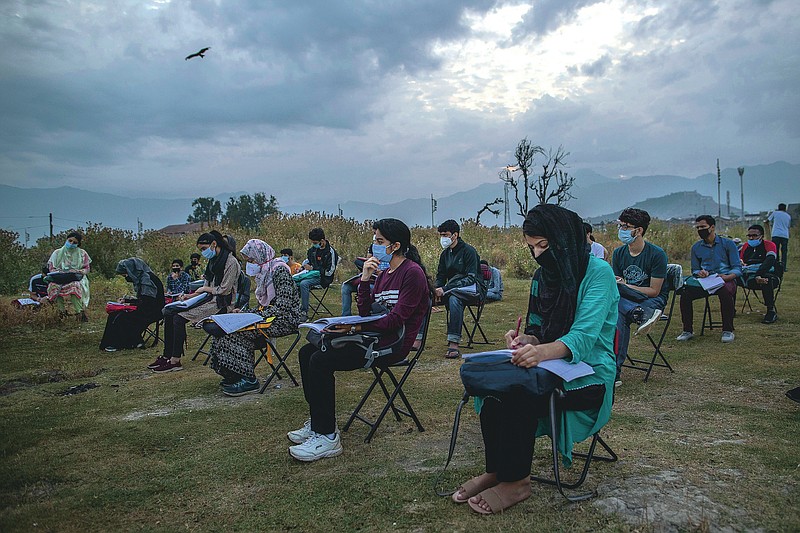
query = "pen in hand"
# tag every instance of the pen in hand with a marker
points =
(516, 332)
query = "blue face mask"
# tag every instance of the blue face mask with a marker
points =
(285, 258)
(753, 243)
(208, 253)
(70, 245)
(315, 245)
(625, 236)
(379, 251)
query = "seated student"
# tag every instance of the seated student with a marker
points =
(321, 266)
(640, 268)
(276, 292)
(404, 290)
(287, 256)
(351, 286)
(124, 328)
(712, 254)
(220, 279)
(494, 292)
(459, 267)
(37, 286)
(177, 280)
(571, 314)
(70, 258)
(195, 269)
(598, 250)
(759, 257)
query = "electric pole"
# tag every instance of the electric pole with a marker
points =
(51, 229)
(434, 207)
(741, 187)
(719, 198)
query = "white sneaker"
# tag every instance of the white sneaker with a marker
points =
(110, 349)
(727, 336)
(299, 436)
(317, 447)
(648, 324)
(685, 336)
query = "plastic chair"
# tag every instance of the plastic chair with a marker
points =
(556, 415)
(380, 371)
(674, 281)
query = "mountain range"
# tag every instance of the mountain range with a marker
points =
(596, 197)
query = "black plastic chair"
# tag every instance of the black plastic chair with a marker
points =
(380, 371)
(674, 281)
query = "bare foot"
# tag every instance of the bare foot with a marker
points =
(474, 486)
(497, 499)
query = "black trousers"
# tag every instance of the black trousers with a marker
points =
(767, 290)
(174, 335)
(319, 383)
(509, 424)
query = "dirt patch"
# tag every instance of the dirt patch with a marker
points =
(666, 501)
(45, 376)
(77, 389)
(192, 404)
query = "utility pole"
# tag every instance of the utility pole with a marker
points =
(719, 198)
(139, 227)
(741, 187)
(51, 229)
(728, 194)
(434, 207)
(339, 207)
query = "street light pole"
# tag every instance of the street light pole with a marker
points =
(741, 187)
(719, 197)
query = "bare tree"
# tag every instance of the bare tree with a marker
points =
(553, 183)
(488, 207)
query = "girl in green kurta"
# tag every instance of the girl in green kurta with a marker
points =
(572, 315)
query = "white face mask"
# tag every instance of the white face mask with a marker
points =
(445, 242)
(251, 269)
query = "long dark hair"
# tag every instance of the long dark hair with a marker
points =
(216, 266)
(395, 230)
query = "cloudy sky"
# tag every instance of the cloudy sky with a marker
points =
(385, 100)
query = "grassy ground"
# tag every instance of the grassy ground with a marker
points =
(712, 446)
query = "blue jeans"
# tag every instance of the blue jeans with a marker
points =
(305, 291)
(625, 319)
(347, 297)
(455, 302)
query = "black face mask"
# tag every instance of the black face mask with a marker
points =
(176, 269)
(704, 233)
(547, 260)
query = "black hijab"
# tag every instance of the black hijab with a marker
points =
(558, 283)
(215, 269)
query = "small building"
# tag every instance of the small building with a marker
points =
(179, 230)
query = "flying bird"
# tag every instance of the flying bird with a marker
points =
(198, 54)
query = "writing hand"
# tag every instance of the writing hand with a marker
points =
(702, 274)
(526, 356)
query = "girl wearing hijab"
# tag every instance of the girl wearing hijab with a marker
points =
(70, 258)
(572, 315)
(276, 292)
(124, 328)
(404, 290)
(221, 275)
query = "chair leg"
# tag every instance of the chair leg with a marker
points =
(281, 363)
(200, 349)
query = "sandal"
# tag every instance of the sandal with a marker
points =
(493, 497)
(468, 490)
(452, 353)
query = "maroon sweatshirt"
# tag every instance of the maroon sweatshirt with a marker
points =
(404, 292)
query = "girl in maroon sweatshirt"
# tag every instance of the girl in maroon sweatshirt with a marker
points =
(404, 291)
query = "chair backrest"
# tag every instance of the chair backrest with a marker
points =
(674, 279)
(242, 291)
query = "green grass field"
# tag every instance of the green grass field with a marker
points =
(713, 446)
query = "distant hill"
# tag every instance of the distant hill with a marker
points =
(596, 196)
(675, 205)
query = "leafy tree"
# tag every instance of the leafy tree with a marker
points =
(207, 210)
(553, 183)
(248, 211)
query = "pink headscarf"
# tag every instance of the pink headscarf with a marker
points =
(264, 256)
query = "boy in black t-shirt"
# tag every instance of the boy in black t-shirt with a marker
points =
(640, 268)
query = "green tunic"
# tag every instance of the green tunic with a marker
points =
(590, 339)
